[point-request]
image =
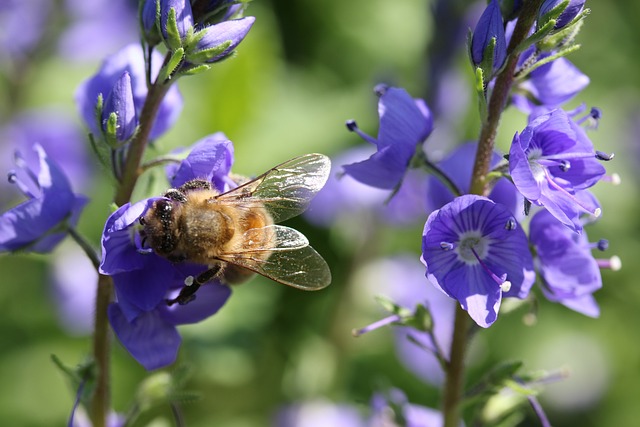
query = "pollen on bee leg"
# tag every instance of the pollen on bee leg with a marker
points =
(188, 281)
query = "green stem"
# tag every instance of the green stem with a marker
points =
(86, 247)
(132, 170)
(101, 343)
(454, 382)
(455, 370)
(499, 97)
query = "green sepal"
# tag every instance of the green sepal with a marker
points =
(161, 388)
(98, 110)
(102, 152)
(553, 14)
(562, 38)
(84, 375)
(392, 307)
(536, 37)
(482, 94)
(559, 54)
(487, 58)
(169, 69)
(493, 382)
(195, 69)
(205, 55)
(173, 40)
(419, 318)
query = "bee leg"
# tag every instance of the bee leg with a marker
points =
(188, 292)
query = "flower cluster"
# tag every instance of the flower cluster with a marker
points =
(475, 249)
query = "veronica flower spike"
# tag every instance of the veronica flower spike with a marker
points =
(477, 253)
(550, 161)
(405, 123)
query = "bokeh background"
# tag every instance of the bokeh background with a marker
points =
(305, 68)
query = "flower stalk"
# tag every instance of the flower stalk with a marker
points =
(132, 171)
(454, 382)
(101, 343)
(499, 97)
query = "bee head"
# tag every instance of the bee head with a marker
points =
(160, 229)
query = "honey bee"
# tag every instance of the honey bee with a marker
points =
(235, 233)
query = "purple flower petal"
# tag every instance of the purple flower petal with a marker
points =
(145, 288)
(210, 159)
(404, 124)
(151, 340)
(119, 254)
(210, 298)
(458, 166)
(551, 85)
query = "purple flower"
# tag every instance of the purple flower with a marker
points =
(208, 48)
(476, 252)
(404, 124)
(489, 27)
(39, 223)
(569, 271)
(120, 103)
(571, 11)
(131, 60)
(458, 166)
(550, 85)
(143, 280)
(342, 196)
(550, 161)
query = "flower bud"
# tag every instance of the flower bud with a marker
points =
(490, 27)
(148, 22)
(118, 119)
(183, 21)
(547, 12)
(216, 42)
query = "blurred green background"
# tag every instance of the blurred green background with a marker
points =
(305, 68)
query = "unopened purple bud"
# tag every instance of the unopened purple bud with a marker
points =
(571, 11)
(489, 27)
(184, 16)
(120, 102)
(232, 32)
(148, 17)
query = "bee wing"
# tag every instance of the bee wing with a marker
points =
(286, 190)
(284, 256)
